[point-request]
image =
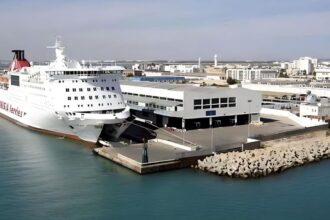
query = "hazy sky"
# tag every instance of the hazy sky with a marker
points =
(167, 29)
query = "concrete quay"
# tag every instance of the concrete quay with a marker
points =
(184, 149)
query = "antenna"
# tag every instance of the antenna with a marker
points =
(215, 60)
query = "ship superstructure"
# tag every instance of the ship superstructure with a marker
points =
(64, 97)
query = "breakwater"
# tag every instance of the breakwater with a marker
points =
(265, 161)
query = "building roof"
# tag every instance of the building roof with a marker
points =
(172, 86)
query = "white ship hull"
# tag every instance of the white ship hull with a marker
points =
(47, 122)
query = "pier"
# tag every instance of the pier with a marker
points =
(168, 153)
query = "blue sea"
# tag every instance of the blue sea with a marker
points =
(45, 177)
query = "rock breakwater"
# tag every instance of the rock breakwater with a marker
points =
(265, 161)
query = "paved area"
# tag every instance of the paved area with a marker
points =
(224, 138)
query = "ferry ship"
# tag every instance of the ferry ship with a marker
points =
(64, 98)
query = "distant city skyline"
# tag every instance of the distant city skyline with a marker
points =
(167, 30)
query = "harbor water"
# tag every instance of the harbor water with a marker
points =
(45, 177)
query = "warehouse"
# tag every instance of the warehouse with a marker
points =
(191, 107)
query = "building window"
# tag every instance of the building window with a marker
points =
(232, 102)
(107, 88)
(215, 103)
(96, 97)
(69, 98)
(102, 89)
(94, 88)
(82, 97)
(113, 88)
(206, 103)
(103, 96)
(224, 102)
(76, 98)
(90, 97)
(88, 89)
(197, 102)
(80, 89)
(74, 89)
(115, 96)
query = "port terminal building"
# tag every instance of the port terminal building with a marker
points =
(191, 107)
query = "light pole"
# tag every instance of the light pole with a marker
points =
(249, 119)
(212, 144)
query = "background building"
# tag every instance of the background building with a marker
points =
(251, 74)
(322, 74)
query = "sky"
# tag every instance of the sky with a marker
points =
(167, 29)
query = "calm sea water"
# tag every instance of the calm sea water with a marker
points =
(43, 177)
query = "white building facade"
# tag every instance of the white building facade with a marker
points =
(251, 74)
(305, 64)
(187, 106)
(322, 74)
(180, 68)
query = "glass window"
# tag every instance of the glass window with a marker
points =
(102, 89)
(113, 88)
(224, 100)
(232, 104)
(90, 97)
(80, 89)
(67, 89)
(197, 102)
(82, 97)
(74, 89)
(69, 98)
(96, 97)
(206, 106)
(215, 101)
(197, 107)
(76, 98)
(215, 106)
(88, 89)
(94, 88)
(232, 99)
(206, 101)
(107, 88)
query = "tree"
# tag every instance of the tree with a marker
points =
(231, 81)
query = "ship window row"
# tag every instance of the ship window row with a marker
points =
(154, 97)
(89, 89)
(36, 87)
(85, 80)
(90, 97)
(214, 103)
(91, 105)
(85, 73)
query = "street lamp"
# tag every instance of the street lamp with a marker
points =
(249, 119)
(212, 144)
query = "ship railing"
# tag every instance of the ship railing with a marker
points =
(102, 116)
